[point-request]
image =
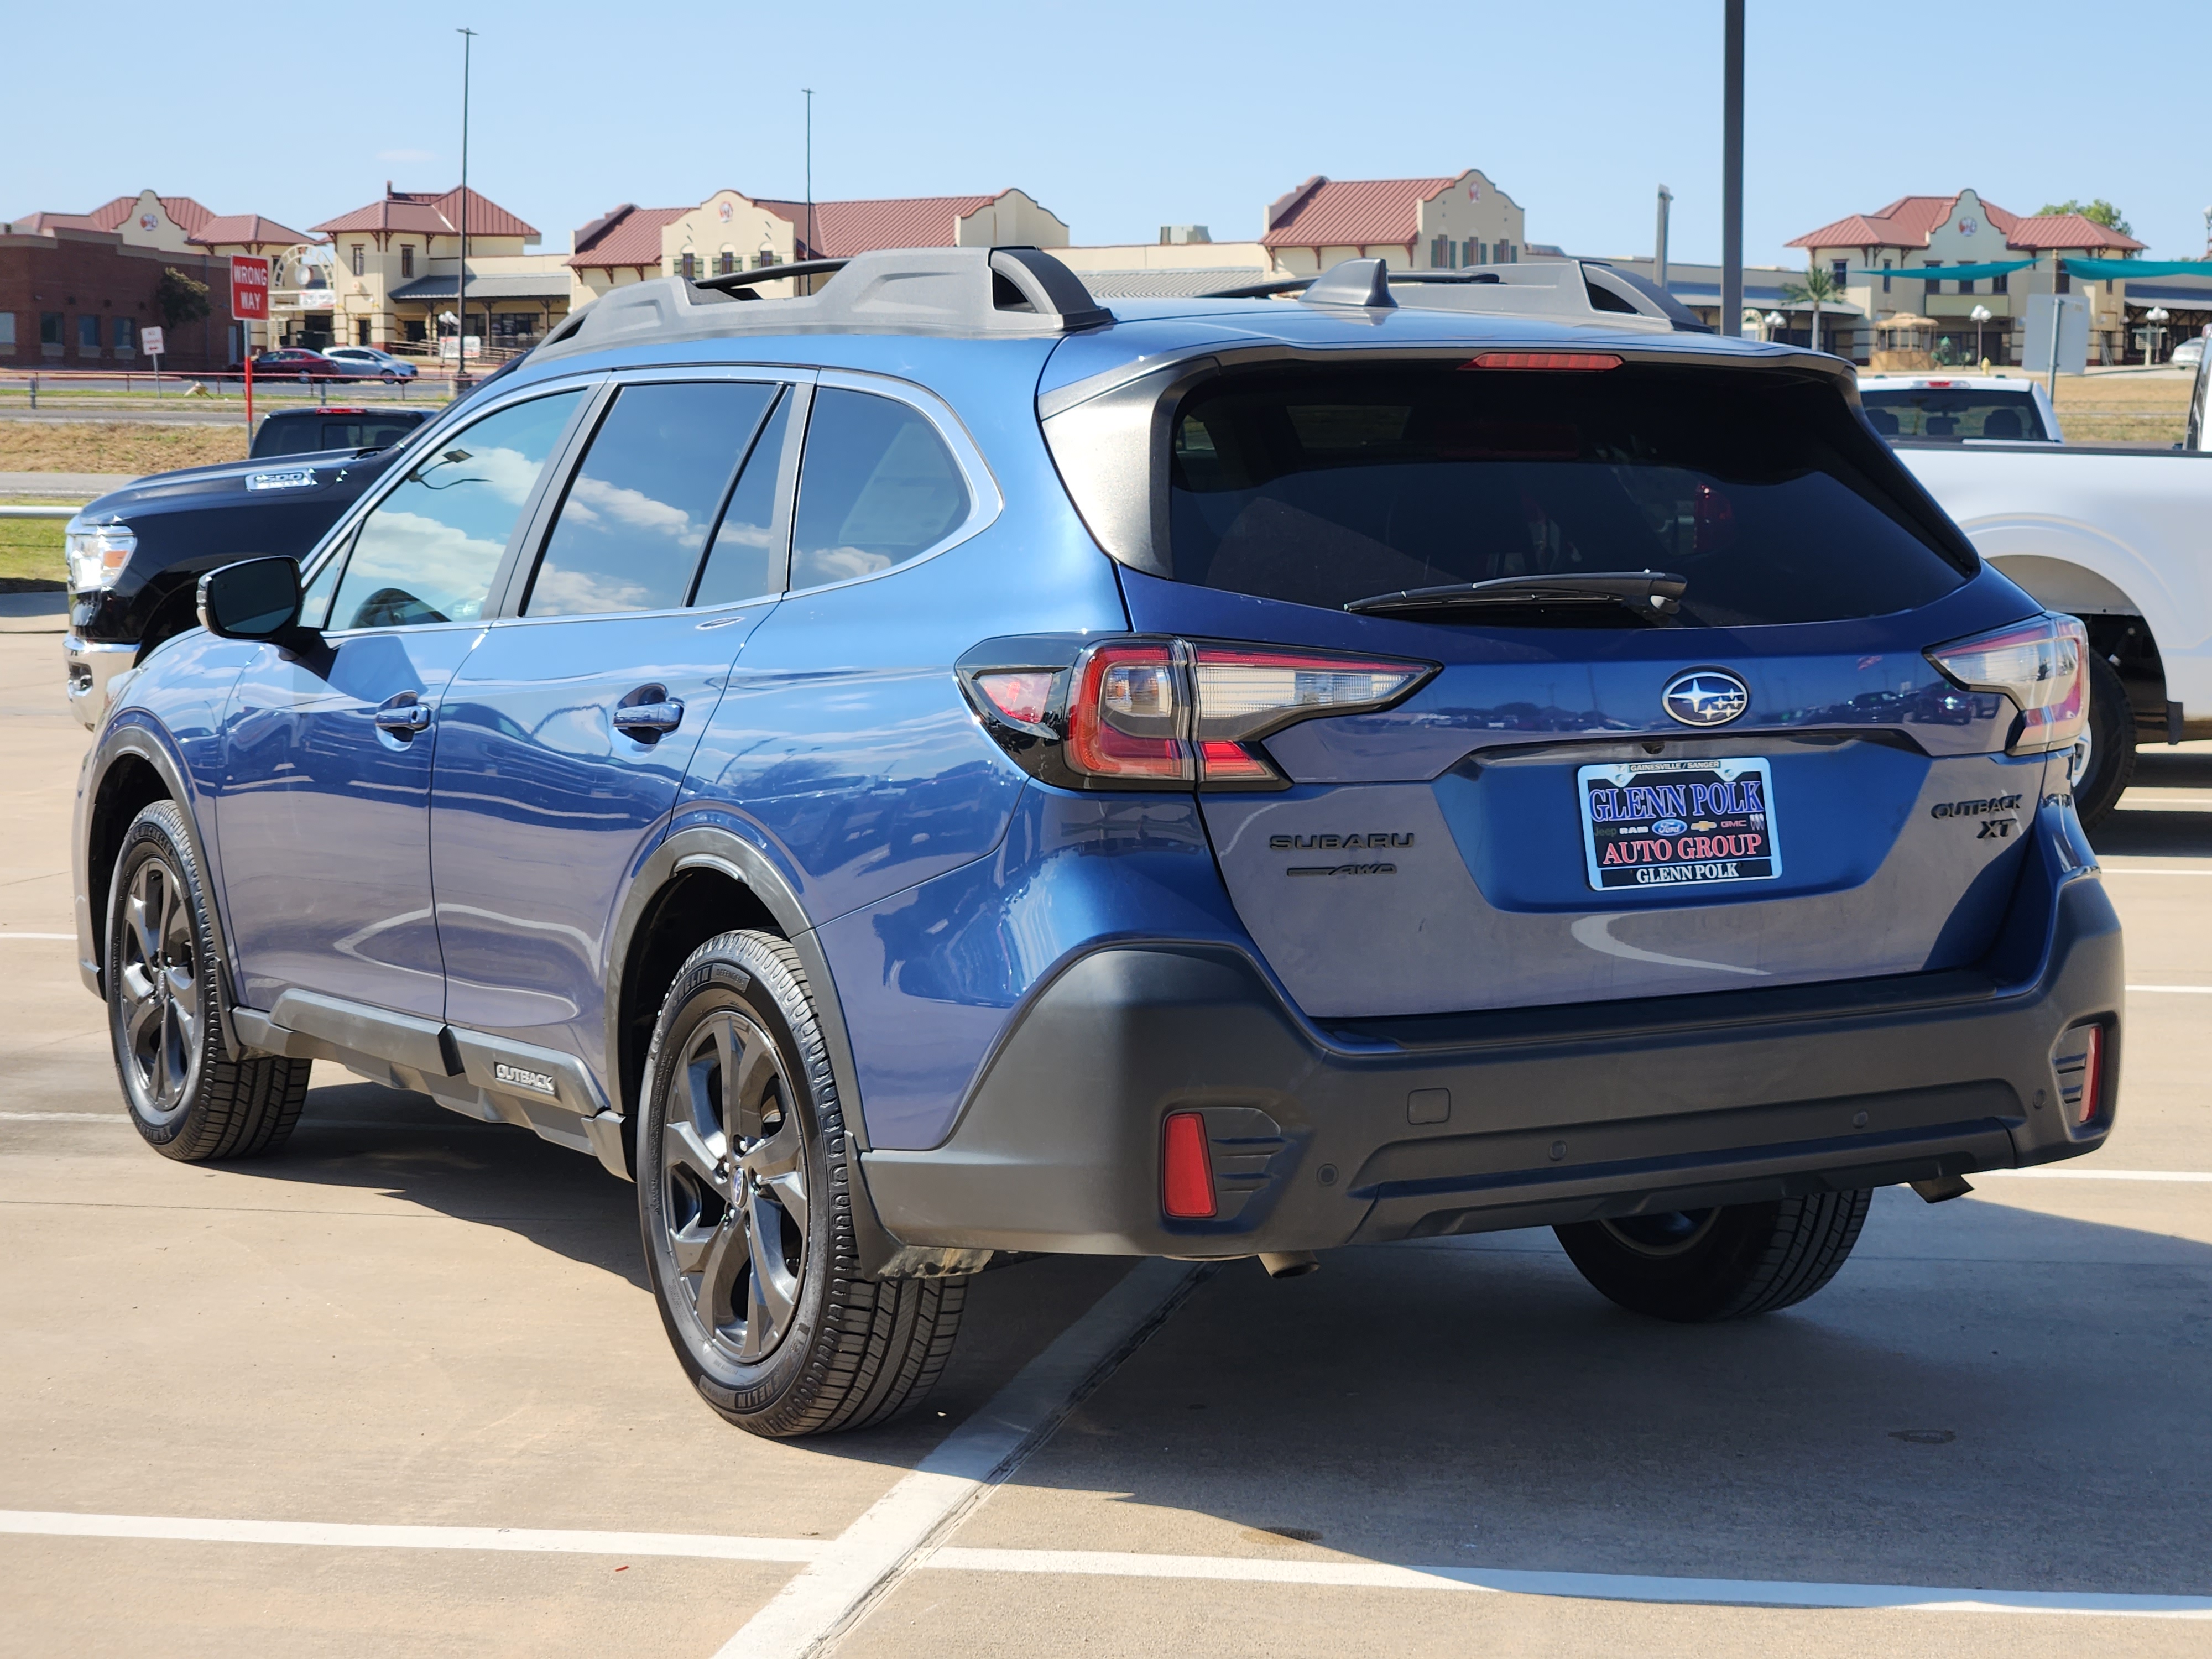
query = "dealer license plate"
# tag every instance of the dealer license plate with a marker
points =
(1678, 824)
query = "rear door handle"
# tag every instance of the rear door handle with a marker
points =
(654, 713)
(405, 718)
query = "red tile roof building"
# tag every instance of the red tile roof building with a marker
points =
(432, 213)
(395, 270)
(1440, 222)
(731, 231)
(1921, 233)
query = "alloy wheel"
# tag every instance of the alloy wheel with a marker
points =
(158, 1004)
(733, 1195)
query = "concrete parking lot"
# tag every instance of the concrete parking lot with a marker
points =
(402, 1390)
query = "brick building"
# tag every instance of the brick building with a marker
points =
(166, 230)
(73, 298)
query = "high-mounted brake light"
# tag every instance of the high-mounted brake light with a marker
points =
(2042, 665)
(1548, 360)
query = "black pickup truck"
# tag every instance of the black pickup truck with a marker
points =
(136, 556)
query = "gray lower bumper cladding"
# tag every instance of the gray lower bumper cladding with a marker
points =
(1409, 1128)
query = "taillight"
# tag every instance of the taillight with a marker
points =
(2042, 665)
(1246, 692)
(1186, 1169)
(1144, 713)
(1126, 718)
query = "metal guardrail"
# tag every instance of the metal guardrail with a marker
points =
(59, 510)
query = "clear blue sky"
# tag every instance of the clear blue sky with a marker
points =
(1121, 118)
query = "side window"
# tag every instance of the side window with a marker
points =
(877, 487)
(428, 551)
(642, 503)
(747, 558)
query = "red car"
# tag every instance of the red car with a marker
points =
(298, 362)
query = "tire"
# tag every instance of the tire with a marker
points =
(165, 1010)
(1696, 1266)
(747, 1211)
(2102, 776)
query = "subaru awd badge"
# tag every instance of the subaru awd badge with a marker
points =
(1705, 696)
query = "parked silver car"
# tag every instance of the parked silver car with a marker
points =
(367, 364)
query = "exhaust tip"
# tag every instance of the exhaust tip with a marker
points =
(1289, 1264)
(1943, 1188)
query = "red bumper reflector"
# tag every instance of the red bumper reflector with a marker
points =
(2091, 1067)
(1568, 360)
(1186, 1169)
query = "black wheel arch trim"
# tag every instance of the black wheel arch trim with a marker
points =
(704, 847)
(141, 742)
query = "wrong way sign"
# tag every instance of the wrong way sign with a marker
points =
(249, 289)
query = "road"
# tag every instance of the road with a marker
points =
(402, 1390)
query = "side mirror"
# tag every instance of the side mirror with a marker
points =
(253, 599)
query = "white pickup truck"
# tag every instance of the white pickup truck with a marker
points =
(2121, 538)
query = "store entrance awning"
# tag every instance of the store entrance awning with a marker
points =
(525, 285)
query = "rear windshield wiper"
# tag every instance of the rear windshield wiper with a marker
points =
(1653, 591)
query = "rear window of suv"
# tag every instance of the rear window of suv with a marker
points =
(1956, 413)
(1322, 486)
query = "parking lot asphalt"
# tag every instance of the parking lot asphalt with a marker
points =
(402, 1390)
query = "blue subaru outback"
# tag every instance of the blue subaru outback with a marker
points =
(935, 770)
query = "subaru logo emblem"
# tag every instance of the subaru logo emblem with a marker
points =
(1705, 696)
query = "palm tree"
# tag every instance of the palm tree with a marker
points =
(1820, 288)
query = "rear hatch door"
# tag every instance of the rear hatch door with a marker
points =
(1594, 799)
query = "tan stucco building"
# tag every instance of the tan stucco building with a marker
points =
(1909, 241)
(393, 266)
(731, 231)
(1443, 223)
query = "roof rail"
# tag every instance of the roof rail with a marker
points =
(930, 290)
(1584, 291)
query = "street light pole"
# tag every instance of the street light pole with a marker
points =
(1659, 242)
(813, 251)
(1732, 169)
(461, 308)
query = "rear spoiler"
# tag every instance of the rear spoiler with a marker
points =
(1587, 291)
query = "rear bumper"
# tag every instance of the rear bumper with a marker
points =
(1323, 1137)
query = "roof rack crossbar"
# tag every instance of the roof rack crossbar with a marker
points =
(1586, 289)
(736, 282)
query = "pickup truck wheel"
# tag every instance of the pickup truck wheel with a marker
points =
(164, 1009)
(1695, 1266)
(2103, 763)
(743, 1199)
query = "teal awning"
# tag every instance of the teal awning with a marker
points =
(1953, 273)
(2119, 270)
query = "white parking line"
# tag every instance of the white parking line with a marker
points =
(2092, 1173)
(1111, 1564)
(530, 1540)
(871, 1555)
(2178, 990)
(1589, 1586)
